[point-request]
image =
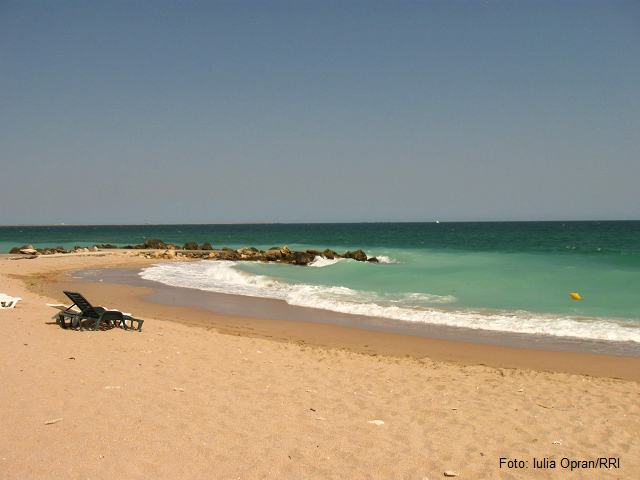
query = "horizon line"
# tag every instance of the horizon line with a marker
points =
(302, 223)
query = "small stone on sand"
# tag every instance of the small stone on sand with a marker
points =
(376, 422)
(55, 420)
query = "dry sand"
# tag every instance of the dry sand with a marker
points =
(179, 400)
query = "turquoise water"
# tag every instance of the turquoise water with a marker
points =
(508, 276)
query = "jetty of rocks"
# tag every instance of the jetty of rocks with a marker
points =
(154, 248)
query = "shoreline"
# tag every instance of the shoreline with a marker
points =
(246, 398)
(143, 298)
(277, 309)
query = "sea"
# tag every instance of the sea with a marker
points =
(507, 277)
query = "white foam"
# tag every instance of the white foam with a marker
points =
(428, 298)
(215, 277)
(321, 261)
(385, 259)
(222, 277)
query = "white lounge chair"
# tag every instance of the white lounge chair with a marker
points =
(8, 302)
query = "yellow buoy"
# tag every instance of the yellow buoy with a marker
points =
(575, 296)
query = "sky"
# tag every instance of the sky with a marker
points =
(323, 111)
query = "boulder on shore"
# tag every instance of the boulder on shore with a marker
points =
(190, 246)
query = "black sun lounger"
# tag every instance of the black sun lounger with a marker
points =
(98, 315)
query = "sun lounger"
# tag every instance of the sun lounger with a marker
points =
(84, 311)
(8, 302)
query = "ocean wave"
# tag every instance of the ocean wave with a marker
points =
(320, 261)
(385, 259)
(422, 308)
(428, 298)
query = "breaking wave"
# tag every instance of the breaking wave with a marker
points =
(223, 277)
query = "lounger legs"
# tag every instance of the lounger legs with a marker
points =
(123, 324)
(63, 323)
(75, 322)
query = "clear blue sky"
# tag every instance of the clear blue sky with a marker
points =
(297, 111)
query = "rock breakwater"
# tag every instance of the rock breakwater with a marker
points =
(154, 248)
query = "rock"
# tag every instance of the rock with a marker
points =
(60, 250)
(273, 254)
(94, 249)
(28, 251)
(206, 246)
(330, 254)
(247, 251)
(228, 255)
(155, 244)
(358, 255)
(170, 254)
(373, 260)
(451, 473)
(227, 249)
(190, 246)
(15, 250)
(285, 251)
(300, 258)
(315, 252)
(376, 422)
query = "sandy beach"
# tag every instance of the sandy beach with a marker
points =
(201, 395)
